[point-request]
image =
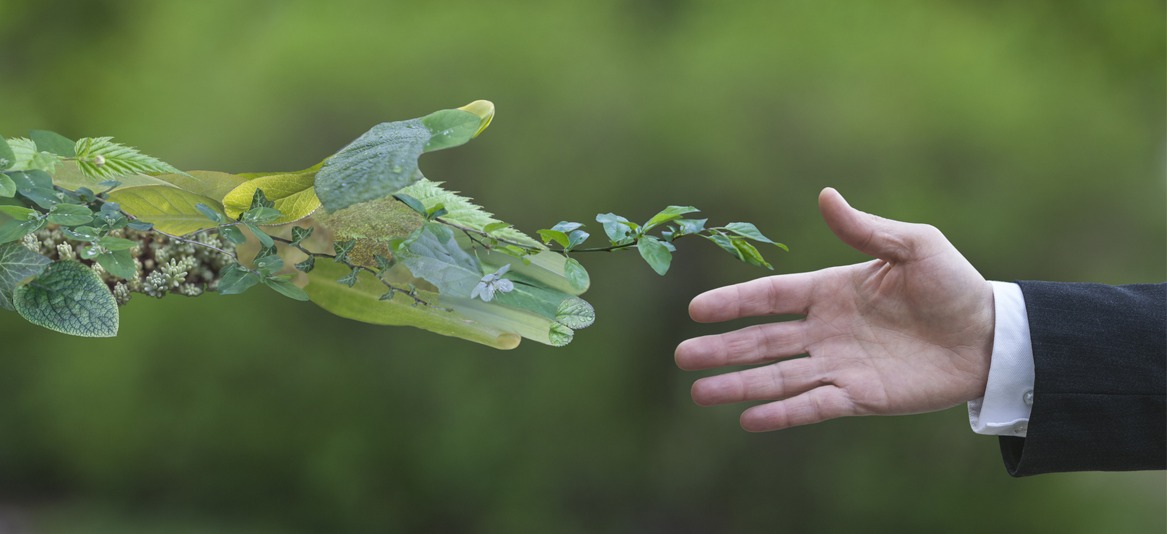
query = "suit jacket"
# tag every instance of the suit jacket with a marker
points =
(1100, 379)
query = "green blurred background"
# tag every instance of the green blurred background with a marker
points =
(1031, 133)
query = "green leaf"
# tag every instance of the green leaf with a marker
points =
(235, 279)
(70, 215)
(750, 253)
(140, 226)
(383, 160)
(210, 184)
(576, 238)
(690, 226)
(12, 230)
(233, 234)
(101, 158)
(745, 229)
(349, 279)
(342, 248)
(655, 254)
(261, 215)
(17, 264)
(462, 211)
(7, 186)
(300, 233)
(37, 186)
(437, 258)
(262, 236)
(116, 243)
(118, 263)
(210, 213)
(284, 286)
(725, 243)
(69, 298)
(495, 226)
(413, 203)
(362, 302)
(82, 233)
(307, 265)
(575, 273)
(291, 193)
(556, 236)
(171, 210)
(19, 213)
(53, 142)
(7, 157)
(668, 214)
(616, 227)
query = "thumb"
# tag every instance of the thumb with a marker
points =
(870, 234)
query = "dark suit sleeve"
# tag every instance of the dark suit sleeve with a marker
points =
(1100, 379)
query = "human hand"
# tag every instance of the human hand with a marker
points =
(908, 332)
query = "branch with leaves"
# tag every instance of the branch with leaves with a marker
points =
(85, 224)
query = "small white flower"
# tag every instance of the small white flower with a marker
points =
(98, 160)
(491, 283)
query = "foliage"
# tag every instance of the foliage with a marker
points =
(86, 223)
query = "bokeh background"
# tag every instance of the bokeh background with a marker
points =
(1031, 133)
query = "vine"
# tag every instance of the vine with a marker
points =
(85, 224)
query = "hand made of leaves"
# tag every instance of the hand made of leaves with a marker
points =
(363, 234)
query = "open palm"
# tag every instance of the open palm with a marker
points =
(908, 332)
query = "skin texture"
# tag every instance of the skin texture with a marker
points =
(908, 332)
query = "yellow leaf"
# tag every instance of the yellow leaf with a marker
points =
(170, 209)
(292, 194)
(209, 184)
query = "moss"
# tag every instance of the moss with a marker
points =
(372, 224)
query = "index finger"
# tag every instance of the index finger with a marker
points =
(780, 294)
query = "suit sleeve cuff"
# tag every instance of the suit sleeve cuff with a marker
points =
(1008, 400)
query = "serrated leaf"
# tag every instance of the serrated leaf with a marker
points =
(53, 142)
(495, 226)
(7, 157)
(655, 254)
(17, 264)
(384, 160)
(69, 298)
(70, 215)
(118, 263)
(291, 193)
(7, 186)
(462, 211)
(172, 211)
(668, 214)
(283, 286)
(575, 313)
(102, 159)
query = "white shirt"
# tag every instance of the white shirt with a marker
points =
(1008, 400)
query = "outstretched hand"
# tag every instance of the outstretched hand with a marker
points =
(908, 332)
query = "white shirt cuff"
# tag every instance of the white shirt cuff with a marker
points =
(1008, 400)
